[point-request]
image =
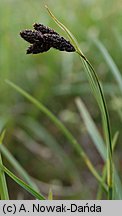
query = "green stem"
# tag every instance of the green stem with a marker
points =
(98, 93)
(105, 119)
(3, 186)
(65, 131)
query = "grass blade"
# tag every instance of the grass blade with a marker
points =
(113, 67)
(3, 185)
(100, 145)
(91, 127)
(17, 166)
(22, 183)
(65, 131)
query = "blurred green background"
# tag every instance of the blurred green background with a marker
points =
(56, 79)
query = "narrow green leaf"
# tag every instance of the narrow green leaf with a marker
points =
(22, 184)
(17, 166)
(3, 185)
(91, 127)
(113, 67)
(99, 143)
(65, 131)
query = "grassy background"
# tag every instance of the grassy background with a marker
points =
(56, 78)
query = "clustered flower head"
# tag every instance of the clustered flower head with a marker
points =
(43, 38)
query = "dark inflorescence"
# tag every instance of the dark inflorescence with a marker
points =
(43, 38)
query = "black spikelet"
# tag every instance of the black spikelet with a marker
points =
(44, 29)
(31, 36)
(58, 42)
(37, 48)
(43, 38)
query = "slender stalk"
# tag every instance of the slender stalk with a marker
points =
(99, 95)
(65, 131)
(3, 185)
(106, 126)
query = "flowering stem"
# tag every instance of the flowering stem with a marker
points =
(99, 95)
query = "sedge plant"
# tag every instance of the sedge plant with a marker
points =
(97, 92)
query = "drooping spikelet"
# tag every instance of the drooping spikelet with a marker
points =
(43, 29)
(43, 38)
